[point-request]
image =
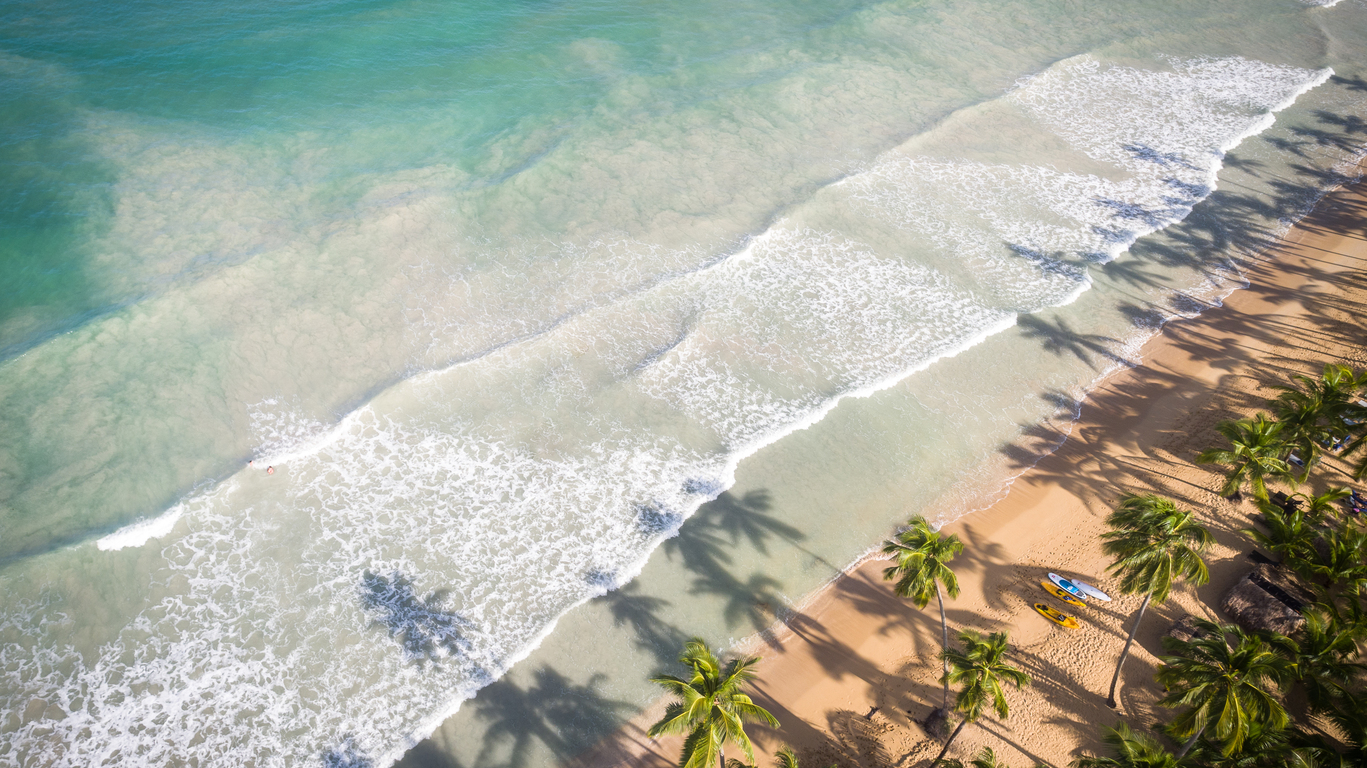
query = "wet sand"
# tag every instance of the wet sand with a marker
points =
(857, 671)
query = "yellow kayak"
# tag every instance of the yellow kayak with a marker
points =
(1056, 617)
(1060, 594)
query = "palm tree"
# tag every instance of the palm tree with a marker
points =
(784, 758)
(1349, 715)
(923, 557)
(984, 759)
(710, 707)
(1314, 751)
(1224, 685)
(1264, 747)
(1354, 420)
(1132, 750)
(1323, 656)
(981, 670)
(1311, 411)
(1290, 536)
(1256, 454)
(1339, 558)
(1319, 508)
(1153, 544)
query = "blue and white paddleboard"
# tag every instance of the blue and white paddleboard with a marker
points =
(1067, 586)
(1091, 591)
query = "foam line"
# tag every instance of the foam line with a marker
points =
(139, 533)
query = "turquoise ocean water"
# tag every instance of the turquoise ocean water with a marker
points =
(568, 329)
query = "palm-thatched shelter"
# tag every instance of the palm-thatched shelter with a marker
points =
(1266, 599)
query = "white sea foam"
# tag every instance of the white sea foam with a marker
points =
(139, 533)
(407, 556)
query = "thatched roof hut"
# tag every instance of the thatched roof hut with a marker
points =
(1266, 599)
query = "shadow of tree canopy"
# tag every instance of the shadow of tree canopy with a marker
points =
(1127, 211)
(1056, 263)
(1222, 237)
(755, 600)
(704, 545)
(425, 630)
(347, 755)
(565, 717)
(1149, 154)
(642, 613)
(1058, 337)
(1229, 231)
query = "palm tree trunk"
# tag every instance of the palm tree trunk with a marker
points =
(721, 757)
(1190, 742)
(944, 646)
(1110, 698)
(952, 737)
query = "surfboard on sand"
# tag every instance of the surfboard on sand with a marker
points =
(1067, 586)
(1056, 617)
(1091, 591)
(1060, 594)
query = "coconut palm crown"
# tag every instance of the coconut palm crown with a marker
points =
(1223, 678)
(980, 669)
(1130, 750)
(1289, 536)
(1256, 454)
(709, 707)
(1324, 656)
(1154, 544)
(1264, 747)
(986, 758)
(1312, 410)
(923, 557)
(1339, 559)
(1322, 507)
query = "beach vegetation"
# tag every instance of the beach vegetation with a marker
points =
(922, 569)
(1319, 508)
(1338, 561)
(1224, 681)
(1311, 411)
(1154, 544)
(980, 669)
(1324, 658)
(986, 758)
(1349, 717)
(1257, 453)
(709, 707)
(785, 757)
(1131, 750)
(1264, 747)
(1289, 535)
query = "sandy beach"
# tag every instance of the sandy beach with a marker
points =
(857, 670)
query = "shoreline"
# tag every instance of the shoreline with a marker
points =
(855, 647)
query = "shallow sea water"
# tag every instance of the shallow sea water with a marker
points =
(570, 330)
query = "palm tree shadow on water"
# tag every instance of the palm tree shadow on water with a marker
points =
(347, 755)
(522, 723)
(565, 717)
(427, 632)
(704, 546)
